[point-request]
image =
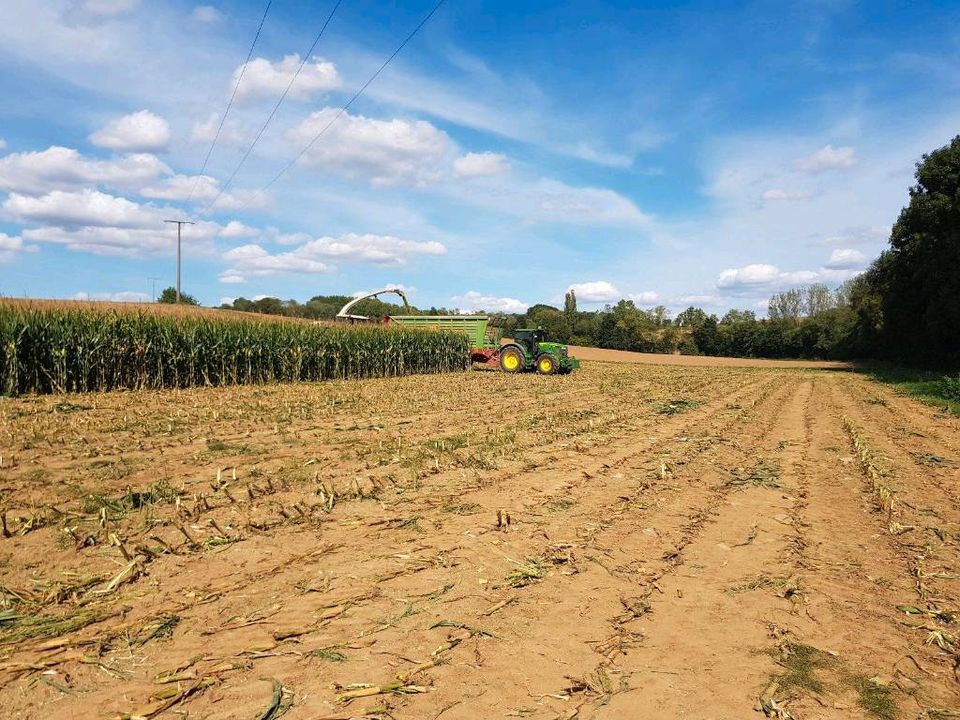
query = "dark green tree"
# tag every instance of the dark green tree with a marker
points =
(920, 277)
(169, 297)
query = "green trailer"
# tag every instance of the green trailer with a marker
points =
(527, 350)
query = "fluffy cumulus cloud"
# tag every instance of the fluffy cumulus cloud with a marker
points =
(206, 14)
(846, 258)
(316, 256)
(473, 301)
(89, 220)
(597, 291)
(142, 131)
(828, 158)
(9, 246)
(236, 229)
(265, 79)
(385, 152)
(82, 208)
(253, 261)
(482, 164)
(749, 275)
(646, 297)
(762, 277)
(59, 168)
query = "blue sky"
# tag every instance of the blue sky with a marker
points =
(673, 153)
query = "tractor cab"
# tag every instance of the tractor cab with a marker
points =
(529, 340)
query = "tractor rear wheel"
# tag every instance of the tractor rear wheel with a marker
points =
(512, 360)
(546, 364)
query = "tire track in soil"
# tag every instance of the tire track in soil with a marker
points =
(852, 575)
(584, 595)
(700, 652)
(925, 506)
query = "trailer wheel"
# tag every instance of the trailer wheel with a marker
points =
(512, 359)
(546, 364)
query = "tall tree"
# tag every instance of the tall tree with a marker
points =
(570, 303)
(817, 299)
(786, 306)
(921, 298)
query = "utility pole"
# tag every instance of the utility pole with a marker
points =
(153, 288)
(180, 224)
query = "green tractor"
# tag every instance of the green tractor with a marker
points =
(527, 351)
(530, 351)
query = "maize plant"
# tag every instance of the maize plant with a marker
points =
(54, 349)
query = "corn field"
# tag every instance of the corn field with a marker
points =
(50, 349)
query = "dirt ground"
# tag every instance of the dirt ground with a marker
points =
(629, 541)
(587, 353)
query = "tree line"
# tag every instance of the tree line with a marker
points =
(905, 307)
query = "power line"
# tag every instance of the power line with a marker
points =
(346, 106)
(354, 98)
(243, 70)
(276, 107)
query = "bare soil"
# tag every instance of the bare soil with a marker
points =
(629, 541)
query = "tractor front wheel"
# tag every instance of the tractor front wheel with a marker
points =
(512, 360)
(546, 364)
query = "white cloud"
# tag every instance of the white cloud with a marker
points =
(769, 278)
(596, 291)
(386, 152)
(778, 194)
(58, 168)
(265, 79)
(480, 164)
(253, 261)
(83, 208)
(206, 14)
(758, 274)
(846, 258)
(202, 189)
(3, 144)
(828, 158)
(97, 222)
(142, 131)
(124, 241)
(472, 301)
(236, 229)
(125, 296)
(205, 132)
(9, 246)
(314, 256)
(556, 201)
(646, 297)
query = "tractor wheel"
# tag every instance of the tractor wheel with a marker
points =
(547, 364)
(512, 360)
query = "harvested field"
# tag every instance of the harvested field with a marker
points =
(629, 541)
(588, 353)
